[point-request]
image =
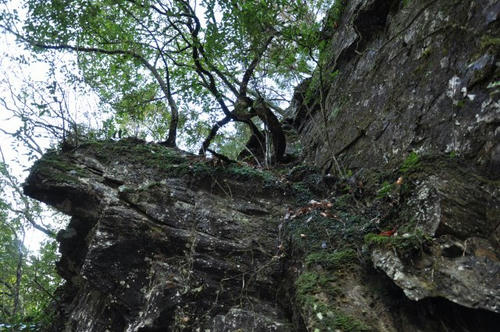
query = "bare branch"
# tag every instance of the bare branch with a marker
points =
(213, 132)
(255, 61)
(26, 212)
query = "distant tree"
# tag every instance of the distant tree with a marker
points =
(27, 282)
(37, 116)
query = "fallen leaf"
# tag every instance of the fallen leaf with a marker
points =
(388, 233)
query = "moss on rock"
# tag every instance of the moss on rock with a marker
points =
(316, 293)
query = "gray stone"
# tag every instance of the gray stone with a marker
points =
(161, 252)
(415, 79)
(471, 281)
(161, 241)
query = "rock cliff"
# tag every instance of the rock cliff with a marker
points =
(390, 223)
(163, 240)
(402, 76)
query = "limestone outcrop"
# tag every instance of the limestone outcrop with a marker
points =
(402, 76)
(416, 83)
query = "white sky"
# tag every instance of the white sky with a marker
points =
(14, 153)
(12, 75)
(16, 161)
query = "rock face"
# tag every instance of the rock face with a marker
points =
(402, 76)
(392, 223)
(165, 246)
(404, 82)
(161, 240)
(458, 214)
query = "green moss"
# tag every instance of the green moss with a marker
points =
(407, 246)
(337, 260)
(336, 227)
(411, 162)
(427, 52)
(138, 151)
(302, 193)
(315, 294)
(309, 231)
(54, 166)
(297, 173)
(378, 240)
(172, 162)
(247, 173)
(335, 13)
(311, 92)
(346, 323)
(385, 189)
(488, 41)
(344, 201)
(307, 283)
(494, 85)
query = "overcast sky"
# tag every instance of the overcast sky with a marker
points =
(13, 76)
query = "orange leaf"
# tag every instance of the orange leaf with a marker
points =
(388, 233)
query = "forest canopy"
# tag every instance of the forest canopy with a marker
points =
(183, 66)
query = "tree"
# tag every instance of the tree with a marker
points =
(12, 256)
(27, 282)
(164, 64)
(228, 59)
(37, 116)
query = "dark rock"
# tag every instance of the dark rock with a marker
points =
(407, 79)
(159, 251)
(417, 77)
(466, 280)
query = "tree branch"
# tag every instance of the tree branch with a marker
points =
(255, 61)
(26, 211)
(154, 71)
(213, 132)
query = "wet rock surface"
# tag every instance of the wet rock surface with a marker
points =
(456, 212)
(403, 80)
(163, 240)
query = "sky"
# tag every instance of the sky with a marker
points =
(13, 77)
(15, 158)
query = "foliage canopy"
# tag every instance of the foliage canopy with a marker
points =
(180, 64)
(27, 282)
